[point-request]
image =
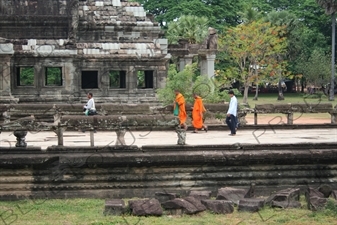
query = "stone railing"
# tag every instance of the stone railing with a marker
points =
(291, 108)
(119, 124)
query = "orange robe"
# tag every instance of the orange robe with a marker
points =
(198, 110)
(182, 110)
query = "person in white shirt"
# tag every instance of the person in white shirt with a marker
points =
(90, 106)
(231, 113)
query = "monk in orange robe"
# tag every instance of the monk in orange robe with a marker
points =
(197, 114)
(180, 101)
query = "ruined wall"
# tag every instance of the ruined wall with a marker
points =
(34, 19)
(127, 172)
(82, 37)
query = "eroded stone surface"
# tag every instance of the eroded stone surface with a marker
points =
(148, 207)
(250, 204)
(219, 206)
(231, 194)
(114, 207)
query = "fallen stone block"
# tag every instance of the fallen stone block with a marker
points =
(334, 194)
(164, 197)
(251, 204)
(251, 192)
(285, 204)
(188, 205)
(147, 207)
(231, 194)
(315, 203)
(286, 195)
(311, 192)
(201, 194)
(219, 206)
(326, 190)
(114, 207)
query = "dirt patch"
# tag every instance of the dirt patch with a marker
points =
(281, 118)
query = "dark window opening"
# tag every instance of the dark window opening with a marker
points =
(117, 79)
(89, 79)
(53, 76)
(25, 76)
(145, 79)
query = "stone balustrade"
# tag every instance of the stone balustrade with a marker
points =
(291, 108)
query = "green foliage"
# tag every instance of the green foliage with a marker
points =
(183, 81)
(192, 28)
(256, 48)
(26, 77)
(331, 208)
(140, 79)
(316, 69)
(218, 12)
(54, 76)
(114, 79)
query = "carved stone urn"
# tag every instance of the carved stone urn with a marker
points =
(20, 138)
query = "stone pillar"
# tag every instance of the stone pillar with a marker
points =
(181, 136)
(186, 60)
(6, 51)
(207, 65)
(120, 137)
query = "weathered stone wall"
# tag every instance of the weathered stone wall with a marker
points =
(77, 36)
(128, 171)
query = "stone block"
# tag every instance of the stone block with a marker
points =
(287, 195)
(31, 42)
(6, 48)
(311, 192)
(188, 205)
(285, 204)
(251, 204)
(334, 194)
(164, 197)
(315, 203)
(99, 3)
(201, 194)
(114, 207)
(231, 194)
(326, 190)
(147, 207)
(116, 3)
(219, 206)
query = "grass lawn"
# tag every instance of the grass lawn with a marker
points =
(288, 98)
(90, 212)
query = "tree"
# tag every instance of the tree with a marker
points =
(219, 12)
(184, 82)
(315, 70)
(254, 44)
(192, 28)
(330, 7)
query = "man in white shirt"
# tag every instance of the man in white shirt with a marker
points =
(231, 113)
(90, 106)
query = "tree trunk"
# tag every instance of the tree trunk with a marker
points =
(245, 94)
(332, 83)
(256, 93)
(280, 91)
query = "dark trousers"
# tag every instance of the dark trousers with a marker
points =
(231, 123)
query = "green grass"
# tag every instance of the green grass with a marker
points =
(90, 212)
(288, 98)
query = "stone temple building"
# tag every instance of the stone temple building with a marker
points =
(59, 50)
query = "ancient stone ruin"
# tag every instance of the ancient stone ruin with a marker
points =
(58, 50)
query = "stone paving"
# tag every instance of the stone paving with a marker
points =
(140, 138)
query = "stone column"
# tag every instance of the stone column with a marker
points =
(6, 51)
(186, 60)
(207, 65)
(181, 64)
